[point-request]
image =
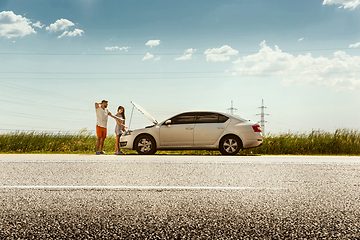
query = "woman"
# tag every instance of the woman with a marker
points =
(119, 128)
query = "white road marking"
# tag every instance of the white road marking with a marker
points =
(177, 159)
(136, 188)
(184, 162)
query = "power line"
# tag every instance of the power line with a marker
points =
(29, 103)
(47, 130)
(165, 54)
(279, 74)
(295, 120)
(25, 127)
(108, 73)
(176, 72)
(27, 89)
(43, 118)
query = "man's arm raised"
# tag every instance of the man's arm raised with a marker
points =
(97, 105)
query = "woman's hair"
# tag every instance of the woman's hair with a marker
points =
(123, 112)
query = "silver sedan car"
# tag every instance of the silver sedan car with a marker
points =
(200, 130)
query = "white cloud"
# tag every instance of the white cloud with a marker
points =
(12, 25)
(60, 25)
(76, 32)
(300, 39)
(112, 48)
(351, 4)
(184, 57)
(153, 43)
(124, 48)
(148, 56)
(187, 55)
(354, 45)
(339, 71)
(220, 54)
(38, 24)
(117, 48)
(64, 24)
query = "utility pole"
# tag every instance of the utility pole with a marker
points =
(262, 114)
(232, 109)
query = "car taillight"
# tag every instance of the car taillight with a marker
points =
(256, 128)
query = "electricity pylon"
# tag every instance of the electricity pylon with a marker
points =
(262, 114)
(232, 109)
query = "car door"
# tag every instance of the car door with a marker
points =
(179, 131)
(208, 128)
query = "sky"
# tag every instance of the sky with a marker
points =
(300, 57)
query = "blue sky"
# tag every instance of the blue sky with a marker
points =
(58, 57)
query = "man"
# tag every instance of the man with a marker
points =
(102, 114)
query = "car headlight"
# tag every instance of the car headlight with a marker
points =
(127, 133)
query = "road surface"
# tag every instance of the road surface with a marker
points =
(173, 197)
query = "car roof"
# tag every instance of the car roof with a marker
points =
(210, 111)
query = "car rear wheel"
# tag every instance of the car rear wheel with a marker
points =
(230, 145)
(145, 145)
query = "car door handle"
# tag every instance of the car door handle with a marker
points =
(220, 127)
(189, 128)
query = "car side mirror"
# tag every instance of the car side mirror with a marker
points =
(168, 122)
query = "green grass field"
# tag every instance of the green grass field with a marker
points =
(340, 142)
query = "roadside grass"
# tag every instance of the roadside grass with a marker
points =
(318, 142)
(340, 142)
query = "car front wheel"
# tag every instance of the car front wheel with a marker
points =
(145, 145)
(230, 145)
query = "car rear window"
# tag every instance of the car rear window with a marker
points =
(222, 118)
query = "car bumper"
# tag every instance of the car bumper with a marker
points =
(251, 139)
(126, 142)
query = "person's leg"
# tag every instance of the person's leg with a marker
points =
(101, 134)
(98, 134)
(102, 144)
(98, 144)
(117, 149)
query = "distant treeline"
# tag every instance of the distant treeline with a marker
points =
(340, 142)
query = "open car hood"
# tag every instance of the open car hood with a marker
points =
(143, 111)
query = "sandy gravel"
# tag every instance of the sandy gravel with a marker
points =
(297, 201)
(209, 214)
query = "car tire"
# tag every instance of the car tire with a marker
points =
(230, 145)
(145, 145)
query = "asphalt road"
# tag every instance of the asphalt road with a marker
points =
(179, 197)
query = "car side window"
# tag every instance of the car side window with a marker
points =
(209, 117)
(185, 118)
(222, 118)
